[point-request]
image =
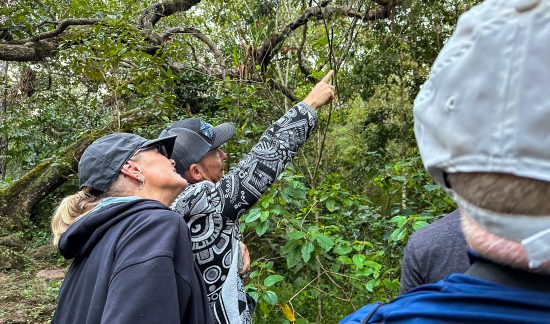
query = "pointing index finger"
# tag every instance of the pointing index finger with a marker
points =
(328, 77)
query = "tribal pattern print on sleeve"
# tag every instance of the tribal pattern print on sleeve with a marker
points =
(212, 211)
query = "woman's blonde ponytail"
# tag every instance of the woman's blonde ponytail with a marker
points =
(71, 209)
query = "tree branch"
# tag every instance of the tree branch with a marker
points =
(266, 51)
(57, 31)
(234, 75)
(199, 35)
(36, 51)
(43, 45)
(300, 52)
(156, 11)
(284, 90)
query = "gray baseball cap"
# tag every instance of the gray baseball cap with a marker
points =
(486, 104)
(195, 138)
(102, 160)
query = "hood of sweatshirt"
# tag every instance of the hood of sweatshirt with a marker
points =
(81, 237)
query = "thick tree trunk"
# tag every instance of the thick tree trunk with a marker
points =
(18, 199)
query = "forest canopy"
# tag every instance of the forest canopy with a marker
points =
(328, 236)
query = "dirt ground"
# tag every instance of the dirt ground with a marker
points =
(30, 278)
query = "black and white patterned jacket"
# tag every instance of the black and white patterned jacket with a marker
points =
(212, 211)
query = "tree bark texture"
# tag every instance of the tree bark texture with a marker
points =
(3, 112)
(18, 199)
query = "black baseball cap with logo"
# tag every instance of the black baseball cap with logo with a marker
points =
(195, 138)
(101, 162)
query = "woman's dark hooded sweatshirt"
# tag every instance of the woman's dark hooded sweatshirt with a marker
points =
(133, 263)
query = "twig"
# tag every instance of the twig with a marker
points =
(303, 288)
(200, 36)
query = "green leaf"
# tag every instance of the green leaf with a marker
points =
(306, 251)
(344, 260)
(264, 215)
(400, 220)
(398, 234)
(331, 205)
(372, 264)
(293, 259)
(399, 178)
(273, 279)
(431, 187)
(358, 260)
(270, 297)
(286, 197)
(254, 295)
(342, 249)
(371, 284)
(325, 242)
(261, 228)
(419, 224)
(297, 235)
(253, 215)
(290, 246)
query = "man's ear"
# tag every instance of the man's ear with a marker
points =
(195, 173)
(131, 170)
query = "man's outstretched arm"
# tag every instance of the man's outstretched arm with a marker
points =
(242, 187)
(278, 145)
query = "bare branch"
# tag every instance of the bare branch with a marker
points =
(284, 90)
(305, 70)
(57, 31)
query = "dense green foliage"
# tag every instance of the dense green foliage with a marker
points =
(328, 236)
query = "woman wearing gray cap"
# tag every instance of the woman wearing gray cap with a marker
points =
(133, 261)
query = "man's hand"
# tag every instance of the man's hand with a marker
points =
(322, 93)
(245, 271)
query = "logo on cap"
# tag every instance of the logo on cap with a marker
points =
(206, 129)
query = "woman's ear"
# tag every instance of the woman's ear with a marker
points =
(131, 170)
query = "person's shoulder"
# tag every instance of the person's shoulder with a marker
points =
(154, 213)
(446, 228)
(448, 222)
(192, 195)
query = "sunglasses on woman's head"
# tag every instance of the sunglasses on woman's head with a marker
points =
(160, 148)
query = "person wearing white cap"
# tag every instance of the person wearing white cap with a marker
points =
(482, 126)
(213, 203)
